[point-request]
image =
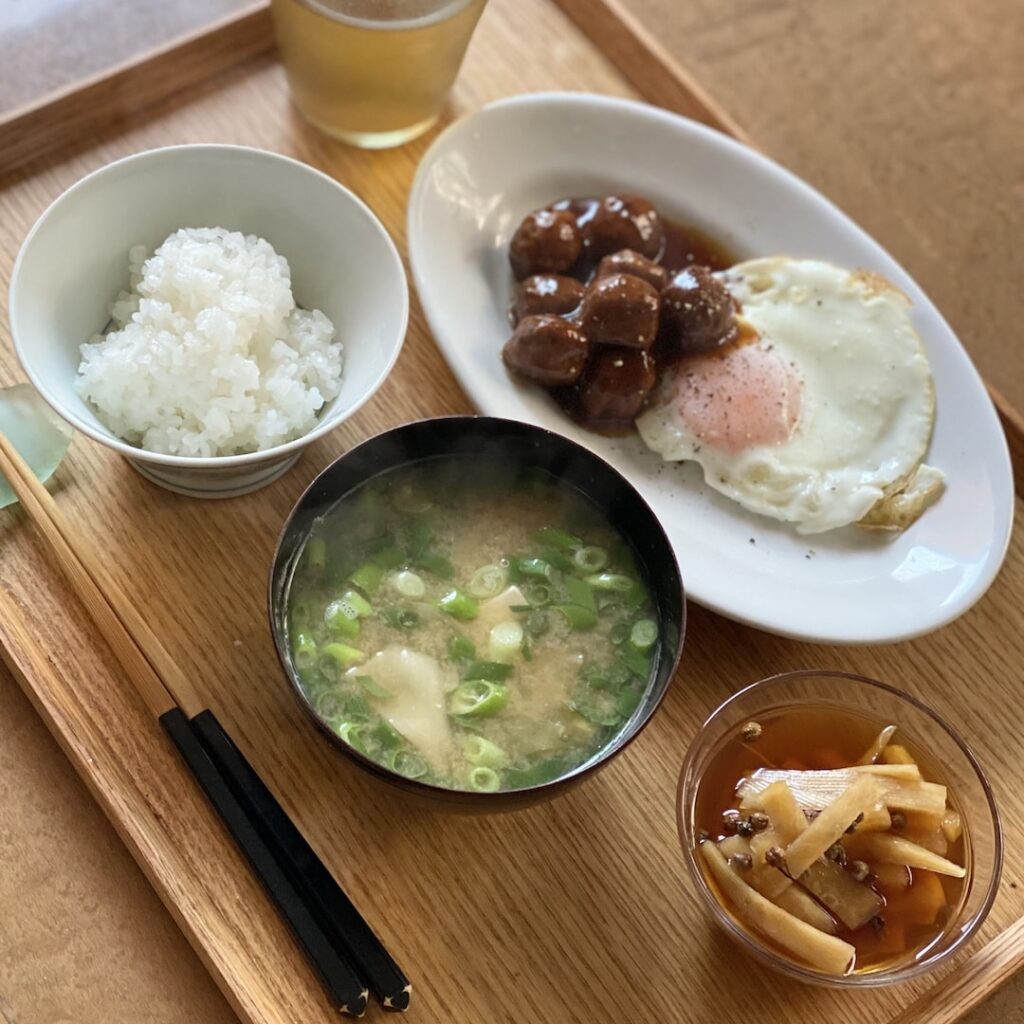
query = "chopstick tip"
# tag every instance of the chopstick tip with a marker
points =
(399, 1003)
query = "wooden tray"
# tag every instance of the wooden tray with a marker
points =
(578, 910)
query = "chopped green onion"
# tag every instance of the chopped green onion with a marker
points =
(590, 559)
(480, 751)
(389, 557)
(460, 648)
(629, 701)
(487, 581)
(372, 687)
(605, 677)
(407, 763)
(329, 703)
(352, 734)
(519, 608)
(304, 651)
(477, 698)
(359, 605)
(505, 641)
(437, 564)
(637, 662)
(492, 671)
(538, 773)
(527, 651)
(355, 708)
(532, 567)
(341, 619)
(400, 618)
(643, 634)
(577, 616)
(612, 581)
(459, 605)
(619, 633)
(484, 780)
(557, 538)
(557, 559)
(420, 535)
(386, 735)
(408, 584)
(335, 658)
(579, 593)
(367, 577)
(537, 594)
(316, 553)
(598, 706)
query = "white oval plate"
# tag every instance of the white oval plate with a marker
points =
(488, 170)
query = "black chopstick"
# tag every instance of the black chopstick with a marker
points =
(330, 905)
(347, 991)
(172, 699)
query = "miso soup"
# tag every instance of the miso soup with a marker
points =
(471, 625)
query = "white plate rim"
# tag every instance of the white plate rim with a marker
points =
(462, 368)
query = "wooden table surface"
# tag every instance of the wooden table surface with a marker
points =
(82, 936)
(908, 115)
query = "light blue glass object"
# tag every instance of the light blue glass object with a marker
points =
(39, 435)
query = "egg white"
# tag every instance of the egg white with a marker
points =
(866, 404)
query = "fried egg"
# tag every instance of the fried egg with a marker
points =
(820, 415)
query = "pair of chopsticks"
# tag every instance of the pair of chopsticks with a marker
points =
(341, 946)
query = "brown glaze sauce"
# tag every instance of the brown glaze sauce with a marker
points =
(684, 245)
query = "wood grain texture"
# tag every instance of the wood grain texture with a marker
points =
(72, 114)
(578, 910)
(47, 45)
(83, 937)
(617, 30)
(972, 982)
(907, 115)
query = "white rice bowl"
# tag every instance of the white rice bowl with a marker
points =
(208, 354)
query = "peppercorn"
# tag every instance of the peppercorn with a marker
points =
(759, 821)
(836, 852)
(751, 732)
(730, 821)
(898, 821)
(741, 861)
(859, 871)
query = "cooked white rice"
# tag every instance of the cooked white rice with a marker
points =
(208, 354)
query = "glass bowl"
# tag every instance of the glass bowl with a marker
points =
(963, 774)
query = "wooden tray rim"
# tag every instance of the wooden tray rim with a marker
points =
(35, 131)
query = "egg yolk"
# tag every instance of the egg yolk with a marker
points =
(741, 397)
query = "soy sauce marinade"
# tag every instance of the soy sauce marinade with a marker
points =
(470, 626)
(914, 905)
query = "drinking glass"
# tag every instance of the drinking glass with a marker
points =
(373, 73)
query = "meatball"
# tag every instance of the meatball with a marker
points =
(547, 349)
(628, 261)
(547, 293)
(697, 310)
(547, 242)
(624, 222)
(616, 385)
(620, 310)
